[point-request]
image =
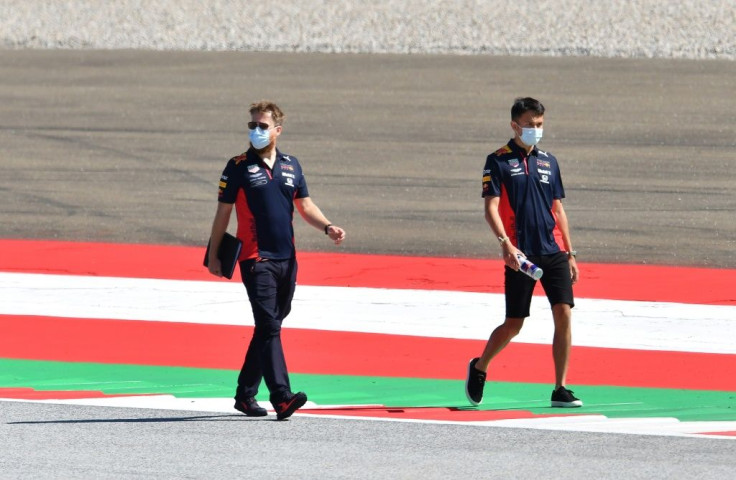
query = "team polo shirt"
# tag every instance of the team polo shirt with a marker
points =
(264, 202)
(527, 186)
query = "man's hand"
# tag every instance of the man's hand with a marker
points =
(215, 267)
(574, 272)
(336, 234)
(510, 257)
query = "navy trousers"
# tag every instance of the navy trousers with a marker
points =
(270, 285)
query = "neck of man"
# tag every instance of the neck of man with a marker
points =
(269, 159)
(268, 156)
(523, 145)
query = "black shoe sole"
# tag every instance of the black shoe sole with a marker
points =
(260, 412)
(574, 404)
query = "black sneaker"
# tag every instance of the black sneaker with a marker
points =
(289, 404)
(250, 407)
(564, 398)
(474, 383)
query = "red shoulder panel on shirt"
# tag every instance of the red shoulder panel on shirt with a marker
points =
(239, 158)
(502, 151)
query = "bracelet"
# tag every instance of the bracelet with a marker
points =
(503, 240)
(572, 253)
(326, 227)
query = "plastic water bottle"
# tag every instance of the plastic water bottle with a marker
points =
(529, 268)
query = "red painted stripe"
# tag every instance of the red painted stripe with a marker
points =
(616, 282)
(448, 414)
(428, 413)
(350, 353)
(725, 434)
(32, 394)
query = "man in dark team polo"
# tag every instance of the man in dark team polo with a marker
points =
(264, 185)
(523, 196)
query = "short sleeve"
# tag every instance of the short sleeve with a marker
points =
(491, 178)
(228, 186)
(301, 189)
(558, 191)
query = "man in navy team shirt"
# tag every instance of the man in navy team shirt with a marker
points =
(523, 193)
(264, 185)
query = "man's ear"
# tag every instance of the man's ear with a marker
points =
(514, 125)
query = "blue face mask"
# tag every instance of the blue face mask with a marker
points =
(259, 138)
(531, 136)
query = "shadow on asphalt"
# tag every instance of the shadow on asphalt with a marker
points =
(200, 418)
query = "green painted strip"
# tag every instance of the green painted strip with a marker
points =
(613, 402)
(117, 379)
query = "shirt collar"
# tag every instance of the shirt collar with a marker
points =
(515, 148)
(254, 157)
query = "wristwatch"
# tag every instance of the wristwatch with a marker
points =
(572, 253)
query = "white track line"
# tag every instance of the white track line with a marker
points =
(449, 314)
(663, 426)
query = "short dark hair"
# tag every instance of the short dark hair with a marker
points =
(526, 104)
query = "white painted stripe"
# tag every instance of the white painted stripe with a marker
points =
(641, 426)
(663, 426)
(450, 314)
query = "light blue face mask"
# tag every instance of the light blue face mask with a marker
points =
(531, 136)
(259, 138)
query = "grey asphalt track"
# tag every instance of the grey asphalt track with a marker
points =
(64, 441)
(127, 146)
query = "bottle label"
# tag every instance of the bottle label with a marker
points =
(529, 268)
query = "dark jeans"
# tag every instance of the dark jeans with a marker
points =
(270, 285)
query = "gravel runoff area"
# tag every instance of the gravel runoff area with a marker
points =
(691, 29)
